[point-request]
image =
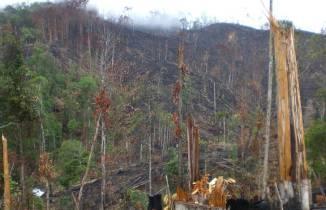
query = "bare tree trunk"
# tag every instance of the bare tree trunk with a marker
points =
(205, 155)
(305, 201)
(181, 64)
(6, 175)
(22, 168)
(113, 54)
(323, 110)
(241, 143)
(279, 196)
(43, 138)
(89, 47)
(214, 100)
(296, 110)
(150, 151)
(141, 153)
(159, 139)
(189, 140)
(103, 160)
(55, 30)
(47, 185)
(163, 141)
(166, 51)
(154, 136)
(269, 107)
(292, 154)
(41, 121)
(80, 194)
(150, 164)
(224, 131)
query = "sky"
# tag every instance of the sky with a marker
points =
(309, 15)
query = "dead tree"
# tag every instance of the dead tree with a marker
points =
(80, 194)
(292, 154)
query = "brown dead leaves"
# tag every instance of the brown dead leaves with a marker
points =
(176, 121)
(102, 104)
(176, 92)
(46, 167)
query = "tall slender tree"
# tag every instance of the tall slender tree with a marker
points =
(269, 105)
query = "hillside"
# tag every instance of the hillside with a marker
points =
(60, 56)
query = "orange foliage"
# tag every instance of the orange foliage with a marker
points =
(176, 121)
(181, 65)
(102, 103)
(46, 168)
(176, 92)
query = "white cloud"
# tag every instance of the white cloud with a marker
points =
(305, 14)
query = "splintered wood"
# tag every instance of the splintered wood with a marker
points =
(193, 150)
(213, 193)
(292, 154)
(297, 122)
(288, 96)
(283, 108)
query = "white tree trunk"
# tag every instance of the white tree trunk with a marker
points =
(214, 99)
(269, 108)
(305, 194)
(47, 194)
(22, 168)
(103, 160)
(80, 194)
(150, 164)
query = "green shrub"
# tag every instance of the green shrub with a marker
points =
(38, 203)
(171, 168)
(137, 197)
(316, 147)
(72, 161)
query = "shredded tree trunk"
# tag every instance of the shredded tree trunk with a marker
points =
(292, 154)
(150, 152)
(301, 170)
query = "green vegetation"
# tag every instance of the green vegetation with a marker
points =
(316, 146)
(72, 161)
(54, 61)
(138, 198)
